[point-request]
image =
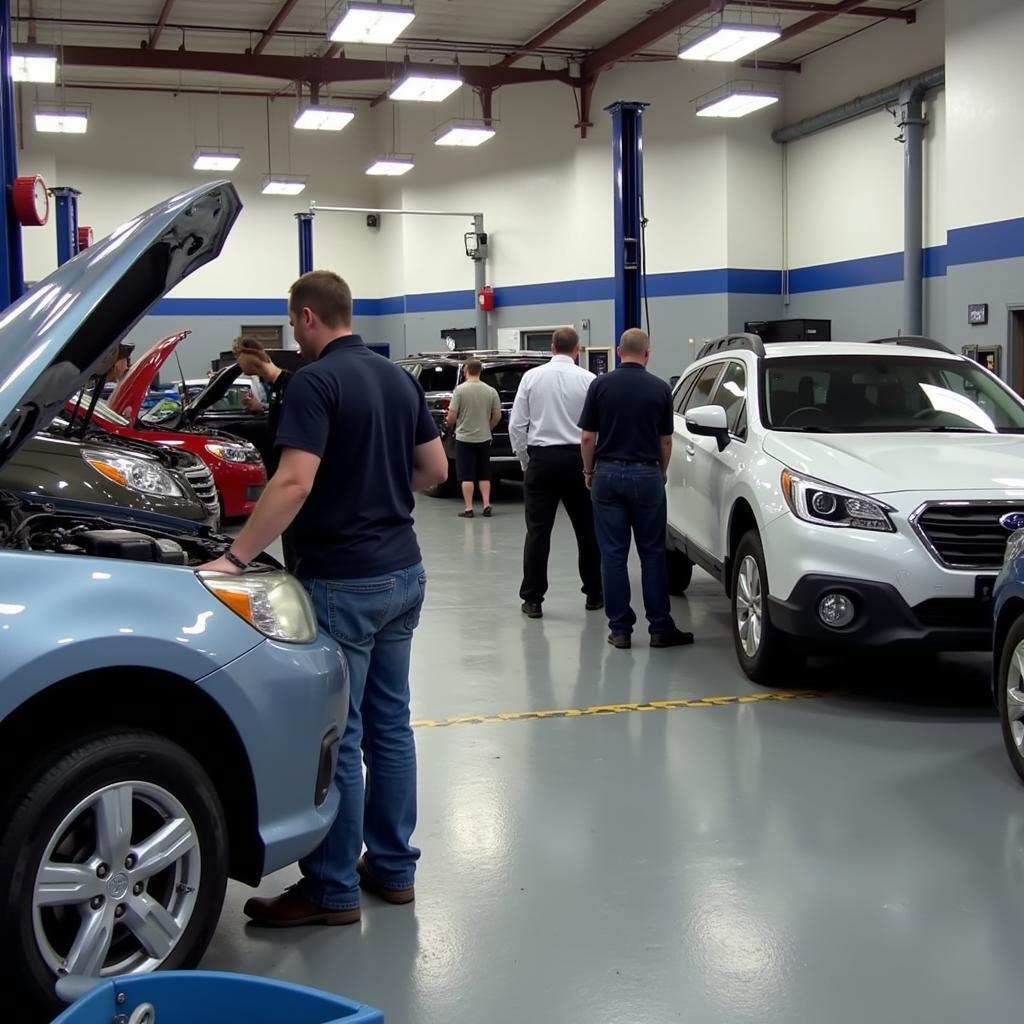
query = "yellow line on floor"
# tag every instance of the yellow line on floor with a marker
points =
(620, 709)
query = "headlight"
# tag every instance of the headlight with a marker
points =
(234, 452)
(272, 602)
(136, 474)
(1014, 547)
(821, 503)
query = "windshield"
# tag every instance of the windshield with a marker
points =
(858, 394)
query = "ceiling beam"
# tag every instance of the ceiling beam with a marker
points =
(286, 8)
(799, 27)
(581, 10)
(656, 26)
(295, 69)
(809, 7)
(161, 23)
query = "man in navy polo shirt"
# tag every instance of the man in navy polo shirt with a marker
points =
(627, 442)
(356, 440)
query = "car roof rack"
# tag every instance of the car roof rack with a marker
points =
(912, 341)
(477, 353)
(748, 342)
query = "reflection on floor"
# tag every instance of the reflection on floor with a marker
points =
(859, 856)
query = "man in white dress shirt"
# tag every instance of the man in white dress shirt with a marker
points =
(544, 434)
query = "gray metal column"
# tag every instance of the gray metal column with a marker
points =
(480, 267)
(912, 122)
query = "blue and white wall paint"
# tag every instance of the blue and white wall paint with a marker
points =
(740, 227)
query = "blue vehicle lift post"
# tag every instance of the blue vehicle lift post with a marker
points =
(305, 222)
(12, 272)
(67, 222)
(628, 166)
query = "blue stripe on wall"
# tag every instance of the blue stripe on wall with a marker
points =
(980, 244)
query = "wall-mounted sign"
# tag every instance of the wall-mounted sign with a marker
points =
(977, 314)
(599, 360)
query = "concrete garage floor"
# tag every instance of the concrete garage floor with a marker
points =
(854, 856)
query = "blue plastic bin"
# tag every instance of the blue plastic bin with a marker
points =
(200, 997)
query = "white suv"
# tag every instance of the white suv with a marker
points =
(845, 494)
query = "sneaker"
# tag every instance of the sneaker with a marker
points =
(533, 610)
(397, 897)
(621, 641)
(677, 638)
(595, 604)
(292, 910)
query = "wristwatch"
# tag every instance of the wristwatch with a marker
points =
(235, 561)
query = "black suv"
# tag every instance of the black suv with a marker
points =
(441, 372)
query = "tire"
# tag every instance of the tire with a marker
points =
(126, 787)
(680, 572)
(448, 489)
(765, 654)
(1011, 716)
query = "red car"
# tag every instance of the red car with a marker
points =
(238, 469)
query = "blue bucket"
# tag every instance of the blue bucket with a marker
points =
(201, 997)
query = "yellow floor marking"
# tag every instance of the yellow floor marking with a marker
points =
(622, 709)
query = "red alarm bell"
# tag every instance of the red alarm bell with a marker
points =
(84, 238)
(485, 298)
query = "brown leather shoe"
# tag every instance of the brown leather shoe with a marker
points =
(620, 641)
(398, 897)
(292, 910)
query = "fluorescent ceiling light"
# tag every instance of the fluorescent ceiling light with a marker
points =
(63, 120)
(315, 117)
(730, 42)
(38, 68)
(392, 165)
(216, 160)
(425, 89)
(736, 99)
(283, 185)
(463, 133)
(372, 23)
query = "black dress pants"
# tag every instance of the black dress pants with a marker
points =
(555, 474)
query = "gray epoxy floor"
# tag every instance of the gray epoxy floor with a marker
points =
(856, 857)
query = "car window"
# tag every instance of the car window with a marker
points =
(894, 393)
(504, 379)
(702, 390)
(439, 376)
(683, 391)
(731, 394)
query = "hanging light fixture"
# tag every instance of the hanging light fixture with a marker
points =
(730, 42)
(283, 185)
(426, 88)
(392, 165)
(322, 118)
(62, 118)
(378, 23)
(215, 159)
(464, 133)
(736, 99)
(34, 64)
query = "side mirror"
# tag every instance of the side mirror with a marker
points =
(709, 421)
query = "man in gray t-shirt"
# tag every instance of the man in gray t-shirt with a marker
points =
(475, 411)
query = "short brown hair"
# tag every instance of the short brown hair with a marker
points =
(565, 341)
(245, 345)
(326, 294)
(474, 367)
(634, 342)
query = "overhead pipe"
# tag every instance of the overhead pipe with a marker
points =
(908, 95)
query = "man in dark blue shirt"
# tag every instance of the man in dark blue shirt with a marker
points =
(627, 442)
(356, 440)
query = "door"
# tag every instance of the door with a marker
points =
(718, 469)
(689, 506)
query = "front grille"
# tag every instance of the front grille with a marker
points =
(954, 613)
(967, 535)
(200, 479)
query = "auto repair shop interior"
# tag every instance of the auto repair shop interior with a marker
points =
(813, 814)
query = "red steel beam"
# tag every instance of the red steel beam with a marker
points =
(161, 23)
(294, 69)
(581, 10)
(807, 7)
(656, 26)
(799, 27)
(286, 8)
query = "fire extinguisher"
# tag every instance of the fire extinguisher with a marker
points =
(485, 298)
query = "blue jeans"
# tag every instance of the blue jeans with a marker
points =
(373, 620)
(629, 499)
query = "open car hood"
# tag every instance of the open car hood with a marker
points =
(218, 387)
(129, 395)
(65, 330)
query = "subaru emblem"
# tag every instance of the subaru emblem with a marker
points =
(1012, 521)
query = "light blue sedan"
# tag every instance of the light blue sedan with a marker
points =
(160, 730)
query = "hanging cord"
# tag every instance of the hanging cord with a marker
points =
(270, 165)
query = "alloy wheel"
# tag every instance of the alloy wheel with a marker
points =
(1015, 698)
(118, 882)
(749, 606)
